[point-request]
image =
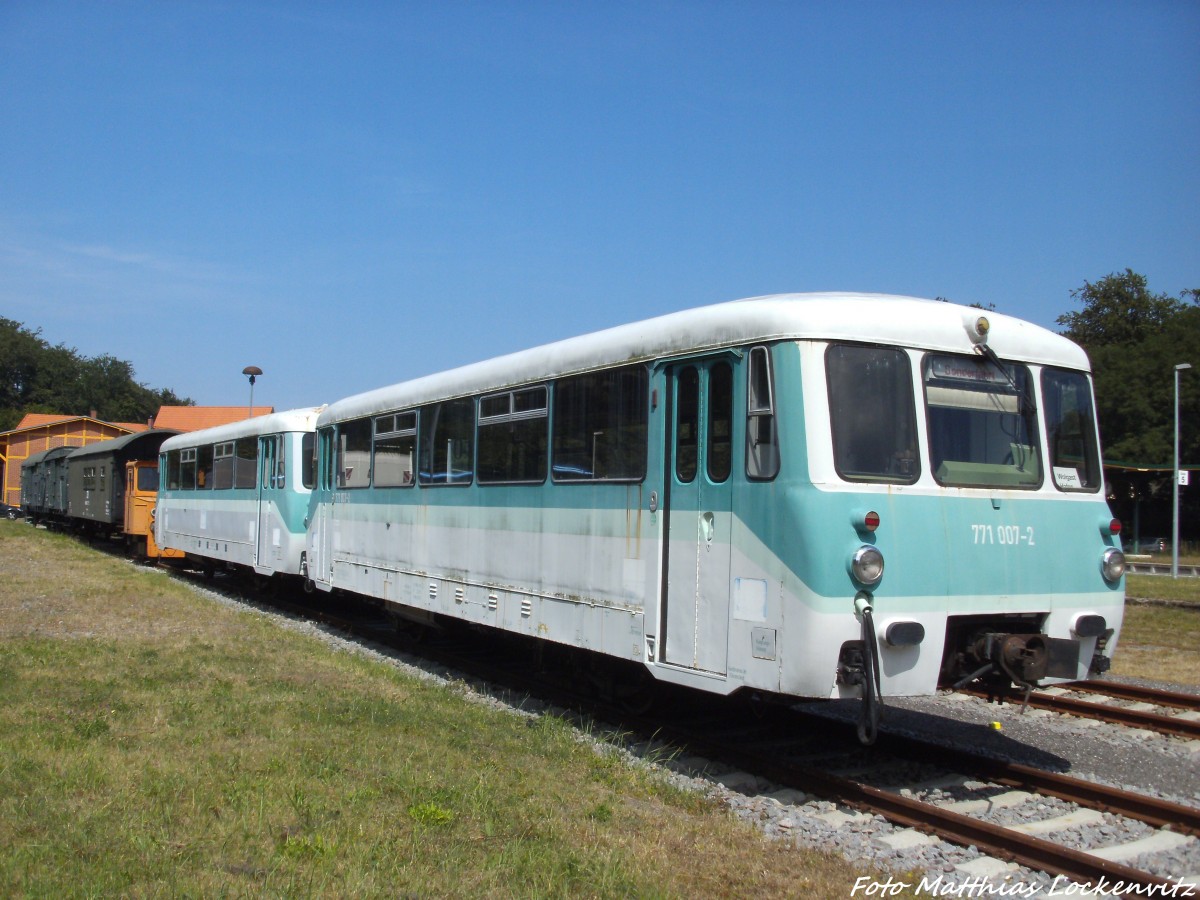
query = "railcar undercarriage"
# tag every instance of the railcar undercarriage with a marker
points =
(996, 652)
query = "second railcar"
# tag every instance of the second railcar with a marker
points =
(96, 476)
(238, 494)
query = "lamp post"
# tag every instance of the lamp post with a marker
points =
(254, 371)
(1175, 481)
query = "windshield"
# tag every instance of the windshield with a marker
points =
(1071, 431)
(982, 425)
(872, 413)
(147, 478)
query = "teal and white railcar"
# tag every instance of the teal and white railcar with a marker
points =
(828, 495)
(238, 494)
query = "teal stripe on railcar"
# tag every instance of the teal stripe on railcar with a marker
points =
(954, 547)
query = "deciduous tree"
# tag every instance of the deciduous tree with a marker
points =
(38, 377)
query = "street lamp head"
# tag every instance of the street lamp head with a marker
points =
(252, 372)
(1183, 366)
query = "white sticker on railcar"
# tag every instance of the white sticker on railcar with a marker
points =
(750, 599)
(1067, 478)
(1008, 535)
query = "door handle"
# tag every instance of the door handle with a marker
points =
(707, 526)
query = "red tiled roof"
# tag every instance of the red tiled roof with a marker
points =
(35, 420)
(193, 418)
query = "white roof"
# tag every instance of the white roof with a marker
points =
(275, 423)
(877, 318)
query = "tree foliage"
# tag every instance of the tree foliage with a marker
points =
(1135, 338)
(38, 377)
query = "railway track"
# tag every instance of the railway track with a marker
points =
(1151, 709)
(1136, 567)
(1011, 815)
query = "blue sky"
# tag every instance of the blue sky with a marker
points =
(351, 194)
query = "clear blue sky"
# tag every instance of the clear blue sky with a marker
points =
(351, 194)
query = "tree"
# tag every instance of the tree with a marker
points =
(36, 377)
(1119, 309)
(1134, 339)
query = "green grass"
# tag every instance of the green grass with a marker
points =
(1163, 587)
(155, 742)
(1160, 642)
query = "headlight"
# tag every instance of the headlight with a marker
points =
(1113, 564)
(867, 565)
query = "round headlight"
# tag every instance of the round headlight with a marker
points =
(1112, 565)
(867, 565)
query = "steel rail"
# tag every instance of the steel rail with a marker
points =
(994, 840)
(1087, 709)
(1151, 810)
(1118, 715)
(1157, 696)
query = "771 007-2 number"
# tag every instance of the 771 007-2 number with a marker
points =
(1014, 535)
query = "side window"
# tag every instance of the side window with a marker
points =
(308, 460)
(270, 446)
(245, 472)
(223, 457)
(169, 462)
(274, 461)
(281, 443)
(600, 426)
(326, 461)
(395, 449)
(762, 441)
(187, 469)
(354, 454)
(872, 413)
(204, 467)
(687, 425)
(512, 437)
(719, 444)
(447, 442)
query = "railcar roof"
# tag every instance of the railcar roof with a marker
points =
(882, 318)
(100, 448)
(34, 459)
(275, 423)
(48, 455)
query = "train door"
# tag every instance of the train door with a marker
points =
(273, 468)
(320, 563)
(130, 494)
(698, 509)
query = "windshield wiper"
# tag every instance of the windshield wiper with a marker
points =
(1027, 404)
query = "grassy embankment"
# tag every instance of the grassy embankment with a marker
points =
(155, 742)
(1161, 642)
